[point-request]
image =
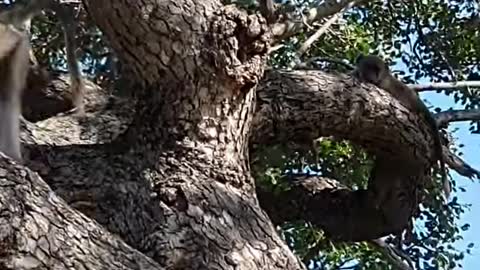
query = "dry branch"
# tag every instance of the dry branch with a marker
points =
(444, 85)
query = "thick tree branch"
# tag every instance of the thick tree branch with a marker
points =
(446, 117)
(39, 230)
(304, 97)
(325, 203)
(184, 177)
(181, 191)
(300, 105)
(287, 101)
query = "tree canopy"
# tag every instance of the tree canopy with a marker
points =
(216, 140)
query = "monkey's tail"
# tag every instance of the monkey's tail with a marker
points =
(447, 189)
(439, 153)
(443, 171)
(77, 86)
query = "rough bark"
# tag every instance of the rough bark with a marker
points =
(102, 188)
(169, 174)
(305, 104)
(38, 230)
(300, 106)
(182, 183)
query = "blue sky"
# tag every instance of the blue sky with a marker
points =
(471, 153)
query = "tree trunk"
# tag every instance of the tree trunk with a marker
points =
(185, 168)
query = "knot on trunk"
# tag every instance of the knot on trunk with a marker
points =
(240, 45)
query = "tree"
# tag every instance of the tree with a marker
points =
(165, 180)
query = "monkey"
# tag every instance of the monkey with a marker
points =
(17, 15)
(374, 70)
(14, 66)
(14, 60)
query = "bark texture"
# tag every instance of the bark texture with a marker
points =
(38, 230)
(303, 105)
(168, 173)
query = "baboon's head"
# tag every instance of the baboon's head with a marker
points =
(371, 68)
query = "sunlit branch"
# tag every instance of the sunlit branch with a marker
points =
(308, 43)
(292, 26)
(444, 85)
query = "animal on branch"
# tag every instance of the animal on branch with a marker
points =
(14, 65)
(374, 70)
(17, 14)
(14, 48)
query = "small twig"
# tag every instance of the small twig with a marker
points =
(325, 59)
(444, 85)
(306, 45)
(459, 165)
(275, 48)
(296, 62)
(290, 27)
(394, 255)
(450, 68)
(70, 1)
(304, 18)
